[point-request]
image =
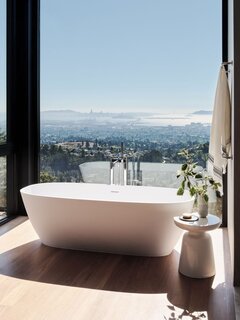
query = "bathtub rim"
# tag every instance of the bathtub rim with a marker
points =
(182, 199)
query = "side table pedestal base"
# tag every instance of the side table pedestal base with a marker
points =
(197, 259)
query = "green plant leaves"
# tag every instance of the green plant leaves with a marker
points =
(205, 197)
(197, 182)
(184, 166)
(183, 184)
(211, 181)
(192, 191)
(180, 191)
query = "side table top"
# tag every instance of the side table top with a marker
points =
(209, 223)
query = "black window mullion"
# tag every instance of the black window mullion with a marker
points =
(22, 99)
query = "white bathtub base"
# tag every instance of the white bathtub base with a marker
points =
(115, 226)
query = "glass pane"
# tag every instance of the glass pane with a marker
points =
(3, 187)
(2, 71)
(131, 80)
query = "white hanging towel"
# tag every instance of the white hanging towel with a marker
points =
(220, 138)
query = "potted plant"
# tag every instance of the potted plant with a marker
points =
(198, 182)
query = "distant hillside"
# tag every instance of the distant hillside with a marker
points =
(202, 112)
(61, 115)
(70, 115)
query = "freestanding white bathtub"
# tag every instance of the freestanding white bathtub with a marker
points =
(95, 217)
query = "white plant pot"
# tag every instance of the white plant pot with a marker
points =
(202, 207)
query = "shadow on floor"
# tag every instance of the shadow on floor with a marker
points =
(37, 262)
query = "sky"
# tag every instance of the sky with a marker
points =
(128, 55)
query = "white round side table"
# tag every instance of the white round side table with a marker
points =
(197, 259)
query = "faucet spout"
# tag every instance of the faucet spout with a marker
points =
(119, 169)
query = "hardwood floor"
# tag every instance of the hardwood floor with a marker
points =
(39, 282)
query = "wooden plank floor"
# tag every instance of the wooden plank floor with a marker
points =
(39, 282)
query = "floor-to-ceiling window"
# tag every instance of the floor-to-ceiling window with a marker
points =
(131, 79)
(3, 172)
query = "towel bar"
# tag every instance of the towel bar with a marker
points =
(226, 156)
(227, 63)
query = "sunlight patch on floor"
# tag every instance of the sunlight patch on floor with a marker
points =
(87, 303)
(217, 238)
(17, 237)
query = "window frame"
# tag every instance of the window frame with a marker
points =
(23, 98)
(225, 59)
(23, 112)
